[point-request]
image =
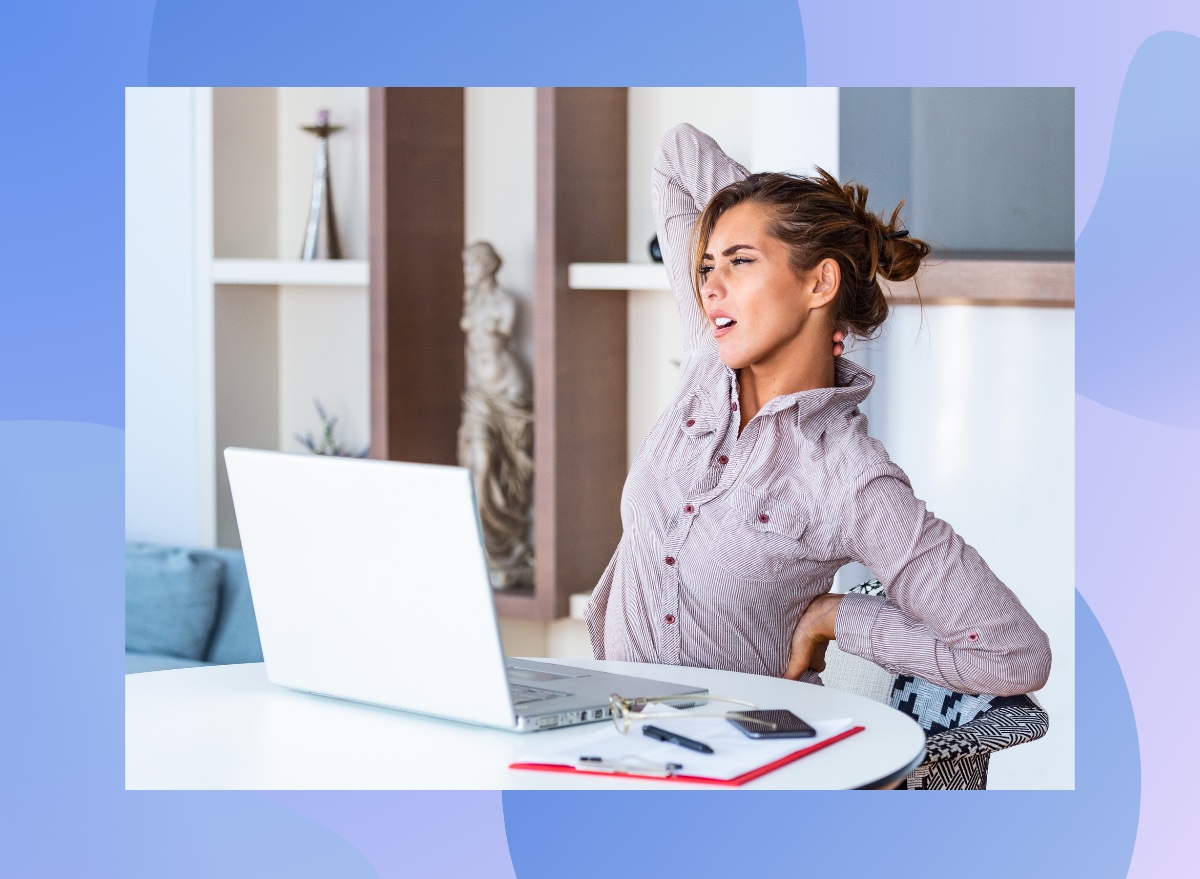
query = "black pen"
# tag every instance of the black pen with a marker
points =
(676, 739)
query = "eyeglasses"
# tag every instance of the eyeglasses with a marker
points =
(626, 712)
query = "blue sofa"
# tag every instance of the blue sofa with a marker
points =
(187, 607)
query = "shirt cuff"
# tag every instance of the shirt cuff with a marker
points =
(855, 618)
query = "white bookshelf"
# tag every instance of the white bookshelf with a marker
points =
(291, 272)
(286, 331)
(617, 276)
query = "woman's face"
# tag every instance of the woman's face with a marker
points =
(756, 304)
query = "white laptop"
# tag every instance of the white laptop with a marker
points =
(370, 583)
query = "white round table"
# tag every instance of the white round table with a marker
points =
(226, 727)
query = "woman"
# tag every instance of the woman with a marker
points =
(760, 482)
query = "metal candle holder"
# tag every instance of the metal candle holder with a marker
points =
(321, 236)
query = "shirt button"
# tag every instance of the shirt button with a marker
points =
(688, 508)
(723, 460)
(974, 636)
(733, 406)
(691, 422)
(764, 518)
(670, 560)
(669, 618)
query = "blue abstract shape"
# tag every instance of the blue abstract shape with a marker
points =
(465, 43)
(62, 353)
(228, 834)
(1086, 832)
(1135, 279)
(67, 814)
(407, 832)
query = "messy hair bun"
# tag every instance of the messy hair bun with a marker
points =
(819, 218)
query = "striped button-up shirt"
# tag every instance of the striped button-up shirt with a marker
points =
(727, 538)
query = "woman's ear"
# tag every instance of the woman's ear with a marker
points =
(825, 278)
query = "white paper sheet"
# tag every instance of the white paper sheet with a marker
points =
(734, 753)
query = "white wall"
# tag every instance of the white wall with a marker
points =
(977, 406)
(245, 190)
(794, 129)
(168, 329)
(500, 191)
(246, 373)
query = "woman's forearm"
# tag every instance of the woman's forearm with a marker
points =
(947, 618)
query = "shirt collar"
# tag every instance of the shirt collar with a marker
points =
(817, 409)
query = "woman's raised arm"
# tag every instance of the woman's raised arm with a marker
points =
(689, 168)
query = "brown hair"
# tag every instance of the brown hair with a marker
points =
(818, 218)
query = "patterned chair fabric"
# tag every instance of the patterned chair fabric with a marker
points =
(962, 730)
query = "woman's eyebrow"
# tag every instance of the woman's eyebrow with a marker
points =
(730, 251)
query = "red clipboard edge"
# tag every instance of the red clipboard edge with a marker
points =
(697, 779)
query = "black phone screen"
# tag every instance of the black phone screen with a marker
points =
(785, 724)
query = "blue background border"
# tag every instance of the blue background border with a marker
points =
(61, 414)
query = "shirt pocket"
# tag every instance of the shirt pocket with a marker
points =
(761, 539)
(695, 434)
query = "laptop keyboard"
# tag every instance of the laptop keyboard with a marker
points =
(524, 695)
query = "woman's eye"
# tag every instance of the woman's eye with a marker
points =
(704, 270)
(739, 260)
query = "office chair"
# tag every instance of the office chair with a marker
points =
(962, 730)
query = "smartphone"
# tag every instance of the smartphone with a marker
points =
(787, 725)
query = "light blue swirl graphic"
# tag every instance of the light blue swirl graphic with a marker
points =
(61, 357)
(1137, 252)
(62, 739)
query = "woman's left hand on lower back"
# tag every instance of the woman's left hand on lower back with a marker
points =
(812, 634)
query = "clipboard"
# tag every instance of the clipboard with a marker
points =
(736, 758)
(685, 778)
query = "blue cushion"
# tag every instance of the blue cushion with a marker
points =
(235, 638)
(171, 598)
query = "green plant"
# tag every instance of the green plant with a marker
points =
(329, 443)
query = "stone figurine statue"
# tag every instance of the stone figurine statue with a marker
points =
(495, 439)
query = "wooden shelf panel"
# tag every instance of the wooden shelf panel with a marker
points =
(994, 282)
(299, 272)
(984, 282)
(580, 342)
(522, 606)
(417, 230)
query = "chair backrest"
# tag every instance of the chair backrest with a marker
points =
(853, 674)
(961, 729)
